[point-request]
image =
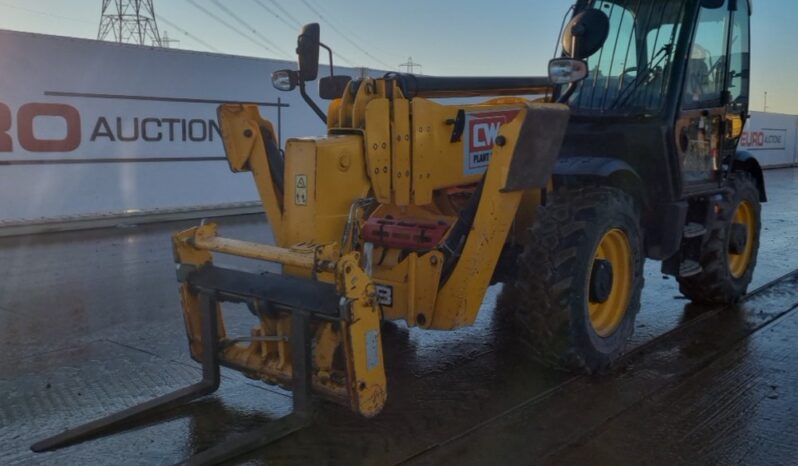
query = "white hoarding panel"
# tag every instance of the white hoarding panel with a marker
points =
(42, 191)
(95, 127)
(771, 138)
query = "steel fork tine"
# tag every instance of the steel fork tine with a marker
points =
(124, 419)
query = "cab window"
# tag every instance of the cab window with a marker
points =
(631, 72)
(706, 67)
(740, 58)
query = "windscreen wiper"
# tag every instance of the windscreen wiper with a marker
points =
(643, 77)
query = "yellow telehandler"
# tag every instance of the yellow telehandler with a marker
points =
(414, 203)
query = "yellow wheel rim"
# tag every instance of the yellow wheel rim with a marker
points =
(738, 263)
(605, 317)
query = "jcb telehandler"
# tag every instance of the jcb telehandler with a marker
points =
(413, 204)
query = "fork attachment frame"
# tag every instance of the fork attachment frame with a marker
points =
(132, 417)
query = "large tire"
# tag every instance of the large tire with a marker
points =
(725, 277)
(552, 290)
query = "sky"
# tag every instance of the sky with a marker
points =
(447, 37)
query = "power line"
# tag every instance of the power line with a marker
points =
(297, 26)
(273, 13)
(355, 44)
(285, 12)
(352, 34)
(44, 13)
(293, 26)
(188, 34)
(240, 21)
(349, 37)
(229, 26)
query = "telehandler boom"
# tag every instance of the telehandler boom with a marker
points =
(413, 204)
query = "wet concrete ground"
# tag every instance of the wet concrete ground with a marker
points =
(90, 324)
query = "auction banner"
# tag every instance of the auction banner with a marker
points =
(771, 138)
(765, 139)
(92, 127)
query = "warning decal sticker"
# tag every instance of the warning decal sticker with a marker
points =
(301, 190)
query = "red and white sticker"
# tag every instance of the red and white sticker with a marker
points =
(481, 130)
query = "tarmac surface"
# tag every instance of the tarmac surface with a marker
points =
(90, 324)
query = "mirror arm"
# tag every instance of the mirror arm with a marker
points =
(574, 50)
(568, 93)
(311, 103)
(329, 52)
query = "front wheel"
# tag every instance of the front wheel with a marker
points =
(728, 257)
(577, 291)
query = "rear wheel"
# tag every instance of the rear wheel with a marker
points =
(579, 279)
(728, 257)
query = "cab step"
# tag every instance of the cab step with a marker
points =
(689, 268)
(694, 230)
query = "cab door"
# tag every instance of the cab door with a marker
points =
(738, 79)
(700, 126)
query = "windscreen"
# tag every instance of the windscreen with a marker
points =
(632, 71)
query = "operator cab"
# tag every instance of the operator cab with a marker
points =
(671, 78)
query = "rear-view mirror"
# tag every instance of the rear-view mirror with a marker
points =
(308, 51)
(567, 70)
(586, 34)
(285, 80)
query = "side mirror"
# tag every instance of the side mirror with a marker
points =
(333, 87)
(567, 70)
(285, 80)
(586, 34)
(307, 49)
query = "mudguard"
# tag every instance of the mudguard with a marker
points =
(663, 229)
(581, 167)
(745, 161)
